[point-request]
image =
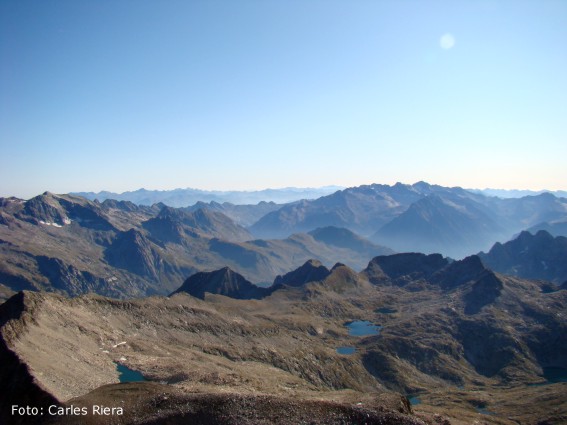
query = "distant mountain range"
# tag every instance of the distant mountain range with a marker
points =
(517, 193)
(68, 244)
(553, 227)
(420, 217)
(188, 197)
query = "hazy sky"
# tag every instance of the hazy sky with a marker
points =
(119, 95)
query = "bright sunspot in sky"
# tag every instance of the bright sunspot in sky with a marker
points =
(447, 41)
(223, 94)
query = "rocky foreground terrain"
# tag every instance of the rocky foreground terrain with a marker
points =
(465, 344)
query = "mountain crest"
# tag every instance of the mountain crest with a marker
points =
(406, 267)
(539, 256)
(225, 282)
(311, 271)
(460, 272)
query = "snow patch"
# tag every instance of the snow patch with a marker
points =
(119, 344)
(50, 224)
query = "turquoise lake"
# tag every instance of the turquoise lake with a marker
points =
(128, 375)
(414, 400)
(362, 328)
(347, 351)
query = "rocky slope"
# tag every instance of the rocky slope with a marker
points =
(471, 344)
(209, 353)
(530, 256)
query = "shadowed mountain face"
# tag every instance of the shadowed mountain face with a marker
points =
(222, 282)
(68, 244)
(456, 333)
(407, 267)
(132, 251)
(539, 256)
(311, 271)
(231, 284)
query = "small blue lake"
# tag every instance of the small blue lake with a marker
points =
(347, 351)
(128, 375)
(362, 328)
(414, 400)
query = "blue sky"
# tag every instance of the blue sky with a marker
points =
(118, 95)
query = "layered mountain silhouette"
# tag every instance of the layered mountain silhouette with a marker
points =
(451, 224)
(554, 227)
(417, 218)
(244, 215)
(530, 256)
(185, 197)
(341, 237)
(362, 209)
(67, 244)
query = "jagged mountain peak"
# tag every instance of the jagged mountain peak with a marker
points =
(223, 281)
(460, 272)
(311, 271)
(337, 265)
(539, 256)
